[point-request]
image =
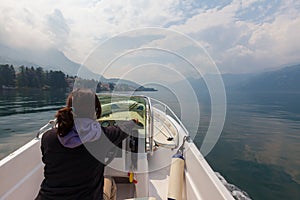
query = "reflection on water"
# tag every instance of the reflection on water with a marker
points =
(22, 113)
(27, 101)
(259, 149)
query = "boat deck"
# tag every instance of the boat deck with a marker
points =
(125, 191)
(23, 170)
(159, 184)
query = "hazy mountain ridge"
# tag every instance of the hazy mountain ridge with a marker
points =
(284, 79)
(50, 59)
(55, 60)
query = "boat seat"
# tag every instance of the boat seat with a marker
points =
(165, 133)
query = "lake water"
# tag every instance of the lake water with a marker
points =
(259, 149)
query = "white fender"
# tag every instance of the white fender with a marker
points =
(176, 178)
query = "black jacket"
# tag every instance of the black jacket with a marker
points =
(75, 173)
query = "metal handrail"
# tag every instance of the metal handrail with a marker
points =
(42, 129)
(149, 125)
(173, 115)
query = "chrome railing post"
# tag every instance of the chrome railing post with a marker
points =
(149, 125)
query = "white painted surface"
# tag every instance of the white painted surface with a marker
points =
(21, 173)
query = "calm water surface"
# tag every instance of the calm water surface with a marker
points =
(259, 149)
(22, 113)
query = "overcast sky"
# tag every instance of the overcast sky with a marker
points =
(240, 36)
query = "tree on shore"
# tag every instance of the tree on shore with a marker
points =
(7, 76)
(31, 78)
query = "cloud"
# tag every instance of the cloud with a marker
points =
(239, 43)
(278, 41)
(58, 28)
(240, 35)
(20, 27)
(109, 18)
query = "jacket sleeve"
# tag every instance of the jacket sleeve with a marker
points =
(116, 134)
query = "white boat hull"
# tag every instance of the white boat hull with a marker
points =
(21, 173)
(20, 178)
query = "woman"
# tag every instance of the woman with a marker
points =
(71, 171)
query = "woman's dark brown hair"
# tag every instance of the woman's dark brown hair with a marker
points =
(65, 118)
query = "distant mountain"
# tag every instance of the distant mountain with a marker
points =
(122, 81)
(50, 59)
(285, 79)
(54, 60)
(231, 81)
(234, 80)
